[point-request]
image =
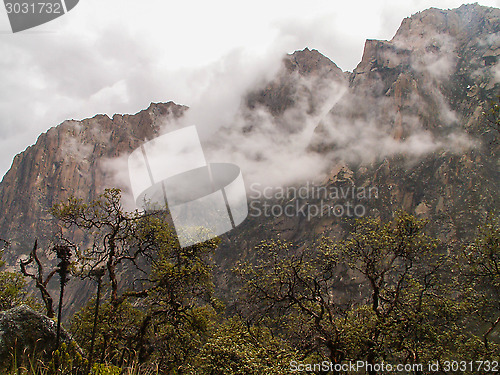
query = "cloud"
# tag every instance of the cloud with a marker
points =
(358, 126)
(50, 79)
(496, 70)
(275, 150)
(117, 57)
(47, 80)
(437, 58)
(361, 125)
(218, 89)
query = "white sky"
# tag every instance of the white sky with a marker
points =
(117, 56)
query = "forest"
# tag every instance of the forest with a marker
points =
(388, 293)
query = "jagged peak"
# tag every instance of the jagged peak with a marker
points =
(308, 61)
(164, 105)
(430, 28)
(467, 20)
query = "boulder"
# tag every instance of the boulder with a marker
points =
(26, 332)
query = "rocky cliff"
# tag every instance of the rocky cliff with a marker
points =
(416, 106)
(69, 159)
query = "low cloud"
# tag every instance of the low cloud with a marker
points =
(350, 126)
(275, 150)
(304, 144)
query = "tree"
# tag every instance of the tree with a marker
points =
(480, 270)
(173, 284)
(38, 276)
(63, 268)
(179, 300)
(379, 295)
(98, 274)
(115, 334)
(402, 267)
(12, 291)
(114, 235)
(235, 348)
(295, 288)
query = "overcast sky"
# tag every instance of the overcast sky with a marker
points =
(117, 56)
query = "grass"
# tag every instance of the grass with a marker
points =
(69, 361)
(40, 368)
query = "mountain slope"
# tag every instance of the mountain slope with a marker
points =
(69, 159)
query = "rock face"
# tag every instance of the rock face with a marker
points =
(70, 159)
(28, 332)
(432, 81)
(420, 98)
(409, 123)
(305, 73)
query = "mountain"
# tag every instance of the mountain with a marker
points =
(69, 159)
(410, 124)
(407, 122)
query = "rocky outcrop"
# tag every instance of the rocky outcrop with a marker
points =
(25, 332)
(304, 74)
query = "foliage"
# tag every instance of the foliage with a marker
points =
(235, 348)
(493, 113)
(295, 289)
(481, 280)
(12, 292)
(116, 237)
(388, 292)
(101, 369)
(117, 329)
(492, 116)
(175, 295)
